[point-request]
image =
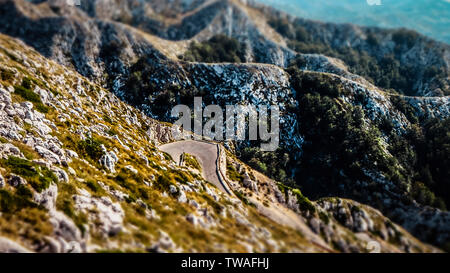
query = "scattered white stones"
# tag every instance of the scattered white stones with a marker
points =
(164, 244)
(131, 169)
(107, 215)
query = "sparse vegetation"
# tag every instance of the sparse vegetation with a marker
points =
(386, 71)
(10, 202)
(26, 93)
(38, 177)
(233, 174)
(191, 161)
(91, 148)
(218, 49)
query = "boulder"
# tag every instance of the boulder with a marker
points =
(182, 197)
(16, 181)
(9, 246)
(164, 244)
(191, 218)
(60, 174)
(109, 160)
(47, 154)
(2, 181)
(47, 198)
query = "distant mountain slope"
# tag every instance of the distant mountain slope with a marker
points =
(97, 45)
(429, 17)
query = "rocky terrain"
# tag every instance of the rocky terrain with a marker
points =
(81, 171)
(85, 106)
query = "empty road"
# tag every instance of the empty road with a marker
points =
(206, 154)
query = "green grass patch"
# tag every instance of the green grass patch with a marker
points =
(10, 202)
(192, 162)
(38, 177)
(90, 147)
(26, 93)
(303, 201)
(233, 174)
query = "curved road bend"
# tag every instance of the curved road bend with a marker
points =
(206, 154)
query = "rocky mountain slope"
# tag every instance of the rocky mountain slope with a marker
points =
(364, 114)
(81, 171)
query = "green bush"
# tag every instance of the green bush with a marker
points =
(27, 83)
(191, 161)
(90, 147)
(6, 75)
(10, 203)
(26, 93)
(233, 174)
(38, 177)
(218, 49)
(94, 186)
(304, 202)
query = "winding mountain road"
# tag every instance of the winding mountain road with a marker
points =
(206, 153)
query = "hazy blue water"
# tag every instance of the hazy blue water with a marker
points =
(430, 17)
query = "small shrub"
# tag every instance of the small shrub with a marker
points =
(27, 83)
(26, 93)
(94, 186)
(303, 201)
(38, 177)
(11, 203)
(219, 48)
(6, 75)
(191, 161)
(233, 174)
(324, 217)
(91, 147)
